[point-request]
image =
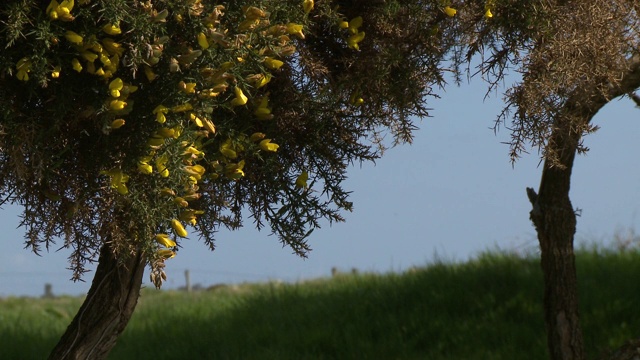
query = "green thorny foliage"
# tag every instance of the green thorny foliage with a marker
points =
(127, 121)
(572, 56)
(130, 122)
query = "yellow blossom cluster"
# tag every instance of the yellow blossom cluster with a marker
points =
(451, 12)
(355, 35)
(487, 9)
(217, 67)
(213, 85)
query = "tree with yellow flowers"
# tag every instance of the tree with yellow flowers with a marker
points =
(127, 126)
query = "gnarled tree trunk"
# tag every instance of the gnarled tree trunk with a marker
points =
(106, 310)
(555, 222)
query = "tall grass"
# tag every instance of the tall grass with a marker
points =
(488, 308)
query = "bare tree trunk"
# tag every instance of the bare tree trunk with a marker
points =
(555, 222)
(106, 310)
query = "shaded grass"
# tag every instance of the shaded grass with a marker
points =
(30, 328)
(488, 308)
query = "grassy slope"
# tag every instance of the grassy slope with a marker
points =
(489, 308)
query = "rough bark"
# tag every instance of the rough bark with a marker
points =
(106, 310)
(555, 221)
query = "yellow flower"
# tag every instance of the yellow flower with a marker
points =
(166, 253)
(145, 168)
(208, 124)
(193, 196)
(263, 81)
(182, 108)
(104, 74)
(73, 37)
(295, 29)
(301, 181)
(272, 63)
(177, 130)
(112, 29)
(122, 189)
(307, 5)
(112, 47)
(257, 136)
(450, 11)
(129, 89)
(354, 39)
(234, 171)
(355, 24)
(187, 88)
(202, 41)
(118, 180)
(165, 132)
(55, 73)
(343, 24)
(196, 120)
(267, 145)
(355, 99)
(93, 44)
(75, 64)
(104, 59)
(189, 215)
(488, 14)
(195, 170)
(227, 150)
(253, 13)
(180, 201)
(193, 152)
(61, 10)
(149, 73)
(52, 10)
(167, 192)
(248, 24)
(161, 165)
(163, 239)
(117, 123)
(116, 105)
(160, 110)
(240, 99)
(22, 75)
(89, 56)
(263, 112)
(24, 68)
(115, 86)
(178, 228)
(155, 141)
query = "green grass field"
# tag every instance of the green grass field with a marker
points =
(488, 308)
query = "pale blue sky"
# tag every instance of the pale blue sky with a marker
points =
(453, 193)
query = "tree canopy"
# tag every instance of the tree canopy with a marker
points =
(138, 122)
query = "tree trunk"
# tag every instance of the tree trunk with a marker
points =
(555, 221)
(106, 310)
